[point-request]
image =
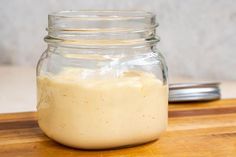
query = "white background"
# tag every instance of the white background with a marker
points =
(198, 37)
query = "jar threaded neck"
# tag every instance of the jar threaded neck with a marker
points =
(102, 28)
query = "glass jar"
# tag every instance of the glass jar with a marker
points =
(101, 82)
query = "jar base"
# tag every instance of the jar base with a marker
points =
(108, 148)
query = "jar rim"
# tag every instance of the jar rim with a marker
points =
(103, 14)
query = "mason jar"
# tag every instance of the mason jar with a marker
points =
(101, 82)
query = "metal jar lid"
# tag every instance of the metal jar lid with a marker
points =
(185, 92)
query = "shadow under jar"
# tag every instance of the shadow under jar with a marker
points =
(101, 82)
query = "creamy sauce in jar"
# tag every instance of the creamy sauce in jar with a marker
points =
(97, 113)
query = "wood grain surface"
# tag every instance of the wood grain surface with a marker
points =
(195, 130)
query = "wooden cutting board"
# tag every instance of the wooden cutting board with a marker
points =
(195, 130)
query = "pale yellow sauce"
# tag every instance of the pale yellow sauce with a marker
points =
(96, 113)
